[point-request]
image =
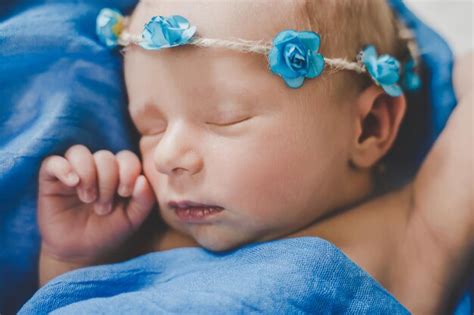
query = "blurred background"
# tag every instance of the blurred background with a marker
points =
(451, 18)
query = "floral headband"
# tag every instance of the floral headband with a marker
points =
(292, 55)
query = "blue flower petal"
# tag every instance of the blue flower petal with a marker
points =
(278, 65)
(294, 82)
(310, 39)
(384, 70)
(273, 57)
(179, 22)
(177, 26)
(283, 36)
(294, 56)
(393, 90)
(388, 70)
(164, 32)
(316, 66)
(369, 54)
(188, 33)
(410, 80)
(109, 24)
(295, 59)
(369, 58)
(153, 37)
(172, 35)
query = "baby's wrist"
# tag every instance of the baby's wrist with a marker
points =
(72, 260)
(51, 266)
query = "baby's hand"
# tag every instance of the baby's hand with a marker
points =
(81, 217)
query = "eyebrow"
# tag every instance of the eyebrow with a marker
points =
(241, 96)
(150, 108)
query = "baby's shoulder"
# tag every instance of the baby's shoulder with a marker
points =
(370, 233)
(383, 238)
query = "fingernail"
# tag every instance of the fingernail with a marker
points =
(138, 185)
(89, 195)
(72, 178)
(124, 191)
(102, 209)
(82, 195)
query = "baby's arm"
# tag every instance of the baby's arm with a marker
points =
(443, 188)
(82, 219)
(438, 244)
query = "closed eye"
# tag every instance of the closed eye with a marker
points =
(151, 132)
(229, 123)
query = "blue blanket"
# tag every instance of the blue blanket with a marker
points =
(58, 87)
(292, 276)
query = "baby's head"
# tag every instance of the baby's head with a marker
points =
(220, 130)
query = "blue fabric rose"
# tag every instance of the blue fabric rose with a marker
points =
(384, 70)
(410, 79)
(109, 25)
(294, 56)
(164, 32)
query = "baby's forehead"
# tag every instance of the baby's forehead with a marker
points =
(245, 19)
(153, 76)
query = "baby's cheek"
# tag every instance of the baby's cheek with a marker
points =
(274, 186)
(149, 169)
(260, 189)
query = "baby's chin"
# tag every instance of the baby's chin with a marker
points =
(218, 246)
(218, 242)
(214, 237)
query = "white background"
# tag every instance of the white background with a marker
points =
(451, 18)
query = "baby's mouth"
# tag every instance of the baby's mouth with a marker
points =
(193, 212)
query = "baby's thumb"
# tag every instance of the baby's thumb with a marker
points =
(141, 203)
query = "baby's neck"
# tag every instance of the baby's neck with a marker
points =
(369, 233)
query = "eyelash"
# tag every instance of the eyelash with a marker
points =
(151, 134)
(230, 123)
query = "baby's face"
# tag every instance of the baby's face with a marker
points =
(219, 129)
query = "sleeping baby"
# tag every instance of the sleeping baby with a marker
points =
(260, 123)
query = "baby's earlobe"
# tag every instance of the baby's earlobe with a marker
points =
(351, 164)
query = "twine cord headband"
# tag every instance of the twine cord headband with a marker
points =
(292, 55)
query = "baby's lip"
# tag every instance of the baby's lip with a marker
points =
(188, 204)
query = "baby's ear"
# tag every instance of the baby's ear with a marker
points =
(377, 120)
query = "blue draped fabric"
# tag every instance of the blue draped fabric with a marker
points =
(293, 276)
(59, 87)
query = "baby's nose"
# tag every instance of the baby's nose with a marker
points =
(176, 164)
(175, 154)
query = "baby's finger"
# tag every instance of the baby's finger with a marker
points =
(83, 164)
(141, 203)
(107, 178)
(56, 167)
(129, 169)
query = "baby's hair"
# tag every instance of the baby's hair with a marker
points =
(348, 25)
(350, 32)
(245, 46)
(260, 47)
